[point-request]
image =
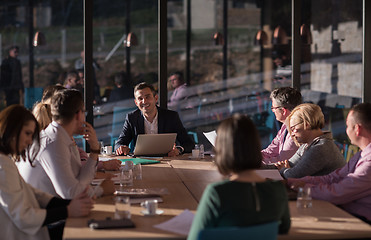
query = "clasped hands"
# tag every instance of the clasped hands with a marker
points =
(282, 164)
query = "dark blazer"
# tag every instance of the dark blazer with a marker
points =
(168, 122)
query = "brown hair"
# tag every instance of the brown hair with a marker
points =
(12, 120)
(143, 85)
(49, 92)
(362, 115)
(65, 104)
(237, 145)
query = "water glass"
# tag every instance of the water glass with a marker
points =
(137, 171)
(122, 207)
(304, 198)
(150, 206)
(126, 177)
(195, 153)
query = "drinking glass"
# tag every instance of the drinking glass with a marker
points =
(304, 198)
(126, 177)
(137, 171)
(122, 207)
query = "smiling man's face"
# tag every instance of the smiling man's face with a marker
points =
(145, 101)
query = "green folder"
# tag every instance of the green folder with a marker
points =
(140, 160)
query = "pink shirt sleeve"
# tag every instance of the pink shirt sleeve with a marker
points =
(281, 148)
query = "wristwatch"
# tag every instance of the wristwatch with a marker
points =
(180, 149)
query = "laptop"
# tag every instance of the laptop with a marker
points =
(154, 144)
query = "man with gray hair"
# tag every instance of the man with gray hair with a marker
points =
(284, 100)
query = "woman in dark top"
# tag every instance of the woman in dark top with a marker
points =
(244, 198)
(25, 211)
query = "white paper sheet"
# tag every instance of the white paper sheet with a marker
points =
(180, 224)
(211, 136)
(270, 173)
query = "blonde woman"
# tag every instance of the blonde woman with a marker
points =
(317, 154)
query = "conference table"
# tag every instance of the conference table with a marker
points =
(185, 180)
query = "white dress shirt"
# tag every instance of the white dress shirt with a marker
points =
(22, 206)
(58, 168)
(151, 127)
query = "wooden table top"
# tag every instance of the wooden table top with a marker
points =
(185, 180)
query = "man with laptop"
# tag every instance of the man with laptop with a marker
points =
(151, 119)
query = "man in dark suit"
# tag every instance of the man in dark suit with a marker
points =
(150, 119)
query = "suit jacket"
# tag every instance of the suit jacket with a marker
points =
(168, 122)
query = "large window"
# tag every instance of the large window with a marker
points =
(239, 51)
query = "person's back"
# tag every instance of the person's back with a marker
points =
(245, 198)
(233, 203)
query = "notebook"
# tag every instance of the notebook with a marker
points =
(154, 144)
(140, 160)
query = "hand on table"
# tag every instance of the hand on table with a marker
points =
(122, 150)
(297, 184)
(112, 165)
(108, 187)
(81, 205)
(103, 175)
(174, 152)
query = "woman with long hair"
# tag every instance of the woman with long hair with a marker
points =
(25, 211)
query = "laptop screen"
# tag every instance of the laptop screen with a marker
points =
(154, 144)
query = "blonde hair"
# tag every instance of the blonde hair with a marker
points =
(43, 115)
(309, 114)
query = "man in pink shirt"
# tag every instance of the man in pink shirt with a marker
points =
(349, 186)
(284, 100)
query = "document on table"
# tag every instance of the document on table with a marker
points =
(180, 224)
(269, 173)
(211, 136)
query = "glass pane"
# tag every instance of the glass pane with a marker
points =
(332, 63)
(125, 47)
(251, 73)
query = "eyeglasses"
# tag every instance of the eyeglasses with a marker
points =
(294, 128)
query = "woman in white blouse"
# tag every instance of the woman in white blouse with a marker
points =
(25, 211)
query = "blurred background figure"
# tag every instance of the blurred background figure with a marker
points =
(123, 89)
(79, 66)
(180, 90)
(11, 77)
(73, 81)
(282, 64)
